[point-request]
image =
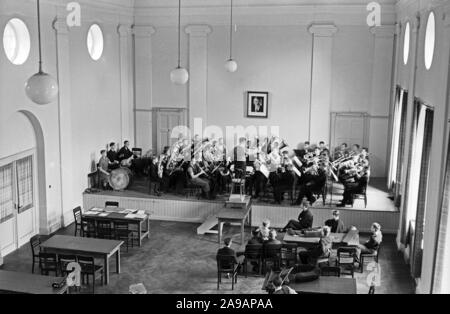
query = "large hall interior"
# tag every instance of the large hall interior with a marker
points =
(224, 146)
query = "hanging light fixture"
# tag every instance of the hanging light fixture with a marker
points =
(180, 75)
(41, 88)
(230, 64)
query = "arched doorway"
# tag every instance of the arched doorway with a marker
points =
(40, 165)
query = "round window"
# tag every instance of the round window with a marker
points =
(95, 42)
(406, 43)
(16, 41)
(430, 40)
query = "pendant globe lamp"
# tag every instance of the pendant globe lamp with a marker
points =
(41, 88)
(231, 65)
(180, 75)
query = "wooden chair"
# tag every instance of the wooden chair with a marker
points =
(289, 254)
(253, 253)
(63, 261)
(122, 232)
(330, 271)
(80, 225)
(362, 195)
(227, 265)
(272, 254)
(90, 230)
(346, 259)
(35, 244)
(88, 268)
(104, 230)
(48, 263)
(112, 204)
(372, 256)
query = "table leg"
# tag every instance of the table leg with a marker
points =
(243, 231)
(220, 231)
(118, 261)
(140, 233)
(148, 227)
(106, 269)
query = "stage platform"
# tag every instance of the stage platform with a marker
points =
(172, 207)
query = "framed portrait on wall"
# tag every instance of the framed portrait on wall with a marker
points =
(258, 105)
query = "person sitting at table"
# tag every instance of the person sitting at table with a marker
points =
(374, 242)
(264, 230)
(256, 239)
(280, 288)
(335, 223)
(323, 248)
(272, 239)
(305, 219)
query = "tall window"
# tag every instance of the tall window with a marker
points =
(419, 164)
(6, 193)
(24, 169)
(398, 140)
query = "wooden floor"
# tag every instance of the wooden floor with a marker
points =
(177, 261)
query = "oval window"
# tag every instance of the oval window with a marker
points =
(16, 41)
(406, 43)
(95, 42)
(430, 40)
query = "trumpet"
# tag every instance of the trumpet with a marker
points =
(342, 159)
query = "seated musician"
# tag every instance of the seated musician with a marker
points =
(335, 223)
(196, 176)
(354, 177)
(355, 149)
(285, 181)
(280, 288)
(305, 218)
(322, 146)
(103, 166)
(113, 156)
(125, 154)
(313, 180)
(304, 150)
(341, 151)
(258, 181)
(323, 248)
(155, 175)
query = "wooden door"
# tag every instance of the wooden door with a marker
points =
(166, 121)
(350, 128)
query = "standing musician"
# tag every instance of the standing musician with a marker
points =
(125, 153)
(113, 157)
(240, 164)
(155, 176)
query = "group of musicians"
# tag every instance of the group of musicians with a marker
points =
(205, 164)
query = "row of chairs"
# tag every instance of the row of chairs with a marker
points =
(117, 230)
(50, 263)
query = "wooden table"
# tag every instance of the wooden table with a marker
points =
(116, 215)
(96, 248)
(339, 239)
(236, 212)
(14, 282)
(323, 285)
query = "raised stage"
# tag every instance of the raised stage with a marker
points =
(182, 209)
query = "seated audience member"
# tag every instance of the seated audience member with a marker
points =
(305, 219)
(256, 239)
(273, 238)
(228, 251)
(264, 230)
(280, 288)
(321, 249)
(374, 242)
(103, 166)
(335, 223)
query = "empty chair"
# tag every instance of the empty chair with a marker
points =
(104, 230)
(253, 254)
(35, 243)
(79, 223)
(362, 194)
(289, 254)
(272, 254)
(346, 258)
(64, 261)
(48, 263)
(90, 269)
(227, 265)
(112, 204)
(122, 232)
(330, 271)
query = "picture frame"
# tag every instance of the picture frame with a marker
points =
(258, 105)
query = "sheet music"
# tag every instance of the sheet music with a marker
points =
(104, 215)
(264, 171)
(91, 213)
